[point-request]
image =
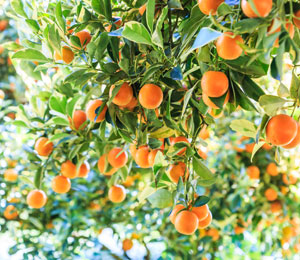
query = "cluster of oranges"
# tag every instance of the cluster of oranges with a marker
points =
(188, 220)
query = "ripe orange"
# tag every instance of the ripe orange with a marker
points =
(131, 105)
(263, 8)
(201, 212)
(10, 175)
(249, 147)
(84, 170)
(239, 230)
(68, 169)
(43, 146)
(175, 211)
(271, 194)
(253, 172)
(92, 109)
(10, 212)
(272, 169)
(3, 25)
(186, 222)
(67, 55)
(117, 158)
(116, 193)
(127, 244)
(295, 142)
(276, 207)
(70, 31)
(142, 9)
(290, 179)
(296, 19)
(284, 190)
(209, 6)
(214, 233)
(228, 47)
(202, 154)
(281, 130)
(128, 181)
(204, 133)
(36, 199)
(287, 232)
(214, 83)
(78, 120)
(61, 184)
(178, 170)
(142, 157)
(211, 104)
(150, 96)
(151, 157)
(101, 166)
(133, 150)
(124, 95)
(117, 22)
(1, 49)
(205, 222)
(174, 140)
(84, 38)
(289, 27)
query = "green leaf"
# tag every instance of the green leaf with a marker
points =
(38, 178)
(59, 17)
(162, 198)
(271, 104)
(163, 132)
(256, 148)
(295, 86)
(200, 201)
(148, 191)
(247, 25)
(175, 4)
(201, 170)
(150, 9)
(56, 105)
(244, 127)
(11, 46)
(186, 100)
(282, 90)
(58, 121)
(30, 55)
(71, 105)
(18, 7)
(33, 24)
(157, 37)
(136, 32)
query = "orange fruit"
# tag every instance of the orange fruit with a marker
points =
(267, 147)
(116, 193)
(249, 147)
(142, 9)
(101, 166)
(295, 142)
(1, 49)
(272, 169)
(205, 222)
(271, 194)
(211, 104)
(287, 232)
(2, 94)
(281, 130)
(228, 47)
(239, 230)
(150, 96)
(78, 120)
(263, 8)
(67, 55)
(36, 199)
(129, 181)
(175, 211)
(92, 111)
(117, 22)
(70, 31)
(253, 172)
(202, 154)
(61, 184)
(68, 169)
(174, 140)
(43, 146)
(133, 150)
(289, 27)
(204, 133)
(117, 158)
(10, 212)
(124, 95)
(209, 6)
(296, 19)
(131, 105)
(201, 212)
(289, 179)
(10, 175)
(178, 170)
(284, 190)
(151, 157)
(84, 170)
(3, 25)
(276, 207)
(186, 222)
(214, 233)
(84, 38)
(142, 157)
(127, 244)
(214, 83)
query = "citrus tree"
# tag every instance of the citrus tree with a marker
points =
(123, 93)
